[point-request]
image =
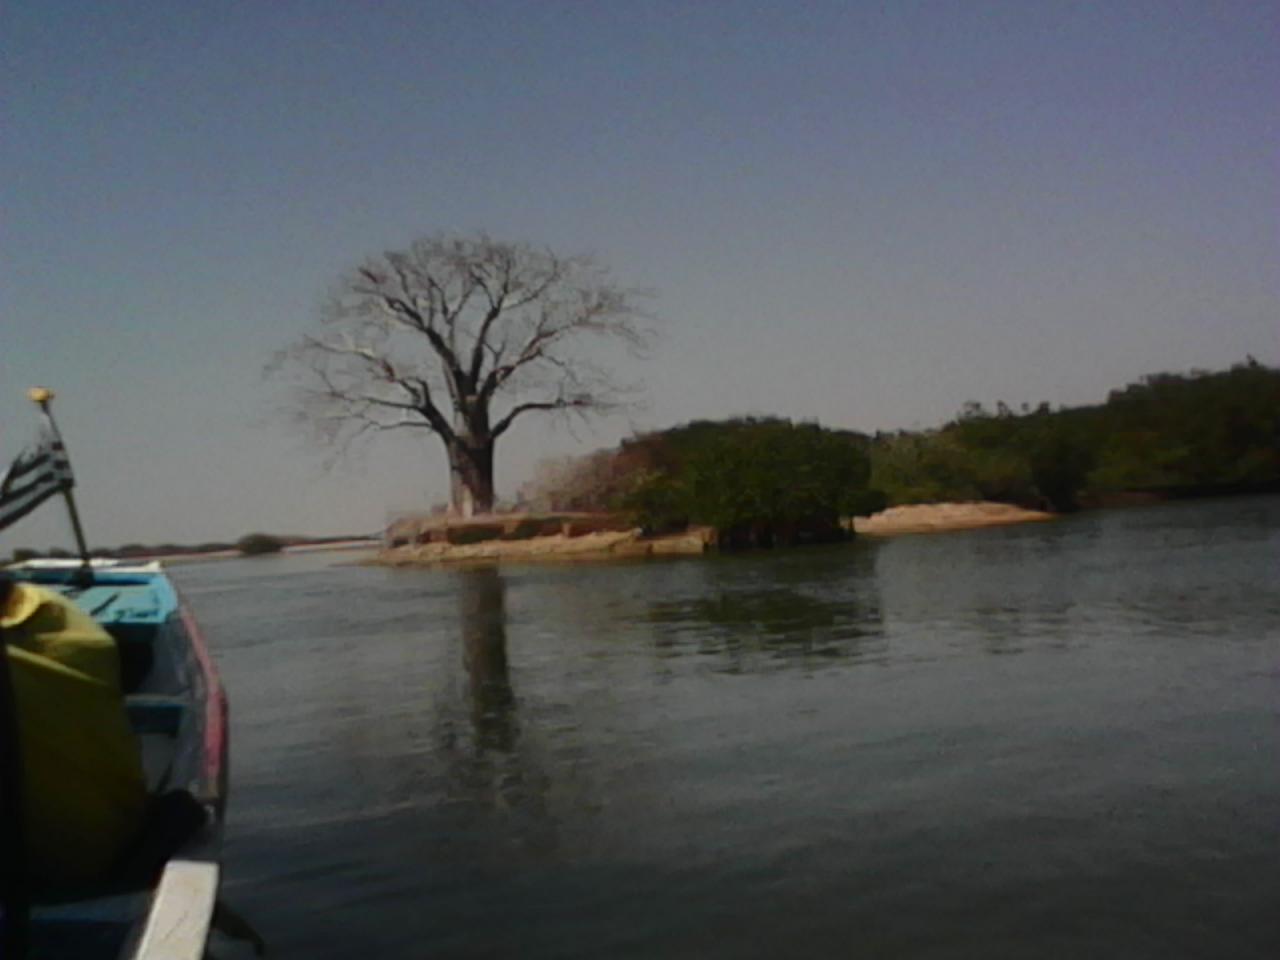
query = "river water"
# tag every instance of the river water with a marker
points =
(1054, 740)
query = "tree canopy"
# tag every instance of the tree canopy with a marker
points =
(756, 481)
(736, 473)
(458, 337)
(1168, 433)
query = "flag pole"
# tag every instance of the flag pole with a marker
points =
(42, 397)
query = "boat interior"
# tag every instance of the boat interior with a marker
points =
(165, 701)
(140, 611)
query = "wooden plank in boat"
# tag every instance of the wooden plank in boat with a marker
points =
(181, 912)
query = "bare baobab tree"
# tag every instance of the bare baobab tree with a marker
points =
(460, 337)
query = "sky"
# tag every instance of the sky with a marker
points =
(861, 213)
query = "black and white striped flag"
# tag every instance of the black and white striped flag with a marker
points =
(40, 471)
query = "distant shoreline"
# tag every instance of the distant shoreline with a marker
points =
(614, 544)
(172, 558)
(619, 544)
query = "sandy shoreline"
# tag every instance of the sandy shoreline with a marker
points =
(603, 545)
(612, 544)
(943, 517)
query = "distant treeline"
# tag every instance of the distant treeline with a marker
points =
(250, 544)
(767, 479)
(1168, 434)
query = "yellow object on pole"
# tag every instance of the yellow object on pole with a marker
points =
(42, 397)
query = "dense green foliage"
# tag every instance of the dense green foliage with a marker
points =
(1168, 433)
(765, 480)
(754, 480)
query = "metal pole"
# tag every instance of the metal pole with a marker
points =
(75, 526)
(43, 398)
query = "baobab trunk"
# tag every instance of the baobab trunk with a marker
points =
(471, 476)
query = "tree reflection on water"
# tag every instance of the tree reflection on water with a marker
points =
(482, 616)
(803, 614)
(489, 767)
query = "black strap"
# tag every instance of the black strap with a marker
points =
(14, 889)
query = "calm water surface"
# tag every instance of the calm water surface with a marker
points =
(1045, 741)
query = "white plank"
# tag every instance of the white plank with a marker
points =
(181, 912)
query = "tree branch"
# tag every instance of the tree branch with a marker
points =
(484, 320)
(582, 402)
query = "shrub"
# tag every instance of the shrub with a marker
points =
(760, 481)
(863, 503)
(526, 530)
(256, 544)
(472, 533)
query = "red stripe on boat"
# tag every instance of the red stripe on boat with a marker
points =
(215, 707)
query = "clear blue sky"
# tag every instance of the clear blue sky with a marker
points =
(866, 213)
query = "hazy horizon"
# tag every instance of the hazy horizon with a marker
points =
(857, 215)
